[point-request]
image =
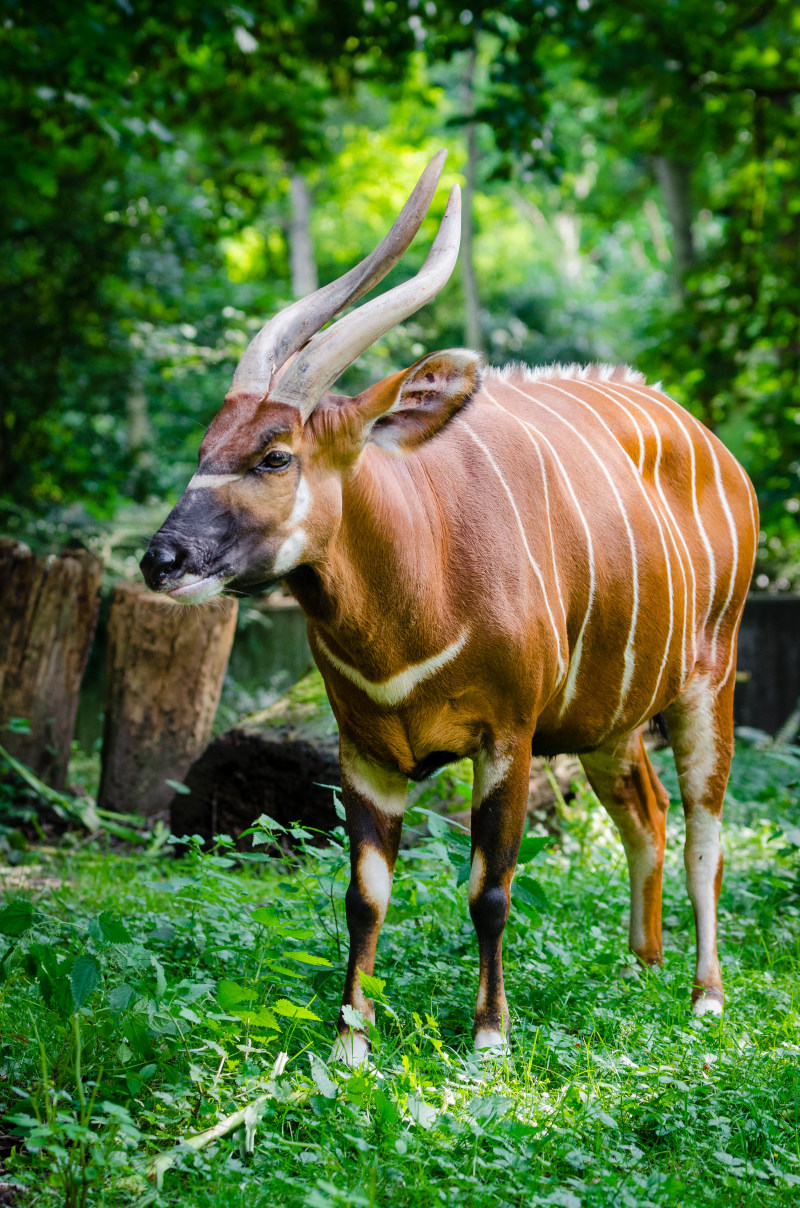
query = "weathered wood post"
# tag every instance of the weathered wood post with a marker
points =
(165, 667)
(48, 611)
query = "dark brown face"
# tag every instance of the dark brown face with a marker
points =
(267, 495)
(244, 521)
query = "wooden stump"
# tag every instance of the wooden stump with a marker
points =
(48, 611)
(165, 667)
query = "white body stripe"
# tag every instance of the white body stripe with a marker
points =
(393, 691)
(290, 554)
(668, 565)
(531, 559)
(712, 565)
(628, 656)
(575, 656)
(672, 528)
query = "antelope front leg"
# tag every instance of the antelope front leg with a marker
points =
(374, 800)
(499, 800)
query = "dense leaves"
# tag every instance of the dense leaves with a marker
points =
(160, 997)
(635, 198)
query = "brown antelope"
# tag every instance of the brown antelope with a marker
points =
(491, 565)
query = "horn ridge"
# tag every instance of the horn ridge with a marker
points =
(328, 353)
(294, 326)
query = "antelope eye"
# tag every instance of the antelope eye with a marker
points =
(276, 459)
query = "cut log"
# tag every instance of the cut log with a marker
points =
(164, 673)
(48, 611)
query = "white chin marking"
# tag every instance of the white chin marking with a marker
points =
(488, 1038)
(351, 1050)
(196, 590)
(707, 1005)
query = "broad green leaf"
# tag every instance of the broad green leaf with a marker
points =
(18, 725)
(353, 1018)
(373, 987)
(489, 1107)
(120, 997)
(16, 918)
(177, 787)
(308, 958)
(260, 1017)
(271, 919)
(84, 977)
(291, 1011)
(284, 971)
(113, 929)
(421, 1112)
(161, 977)
(386, 1109)
(528, 890)
(319, 1072)
(229, 994)
(531, 845)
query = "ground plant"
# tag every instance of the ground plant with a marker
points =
(149, 996)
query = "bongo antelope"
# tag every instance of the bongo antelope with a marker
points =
(492, 564)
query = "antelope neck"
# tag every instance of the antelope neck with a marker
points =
(381, 588)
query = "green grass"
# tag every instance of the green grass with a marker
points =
(611, 1094)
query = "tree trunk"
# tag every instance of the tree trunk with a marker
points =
(301, 248)
(165, 667)
(140, 438)
(48, 610)
(473, 330)
(675, 178)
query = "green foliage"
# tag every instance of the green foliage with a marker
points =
(636, 199)
(158, 999)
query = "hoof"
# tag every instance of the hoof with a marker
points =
(352, 1049)
(710, 1002)
(490, 1039)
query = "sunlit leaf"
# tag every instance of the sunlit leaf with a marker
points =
(84, 978)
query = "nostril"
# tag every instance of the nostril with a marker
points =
(159, 562)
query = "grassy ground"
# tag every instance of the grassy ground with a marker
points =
(144, 999)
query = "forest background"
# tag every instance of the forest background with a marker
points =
(173, 174)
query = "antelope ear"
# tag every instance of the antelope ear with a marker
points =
(410, 407)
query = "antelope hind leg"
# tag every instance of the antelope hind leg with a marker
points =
(625, 782)
(701, 726)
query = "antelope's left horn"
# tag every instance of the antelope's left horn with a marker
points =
(296, 324)
(328, 353)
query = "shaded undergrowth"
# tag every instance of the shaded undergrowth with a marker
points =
(145, 999)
